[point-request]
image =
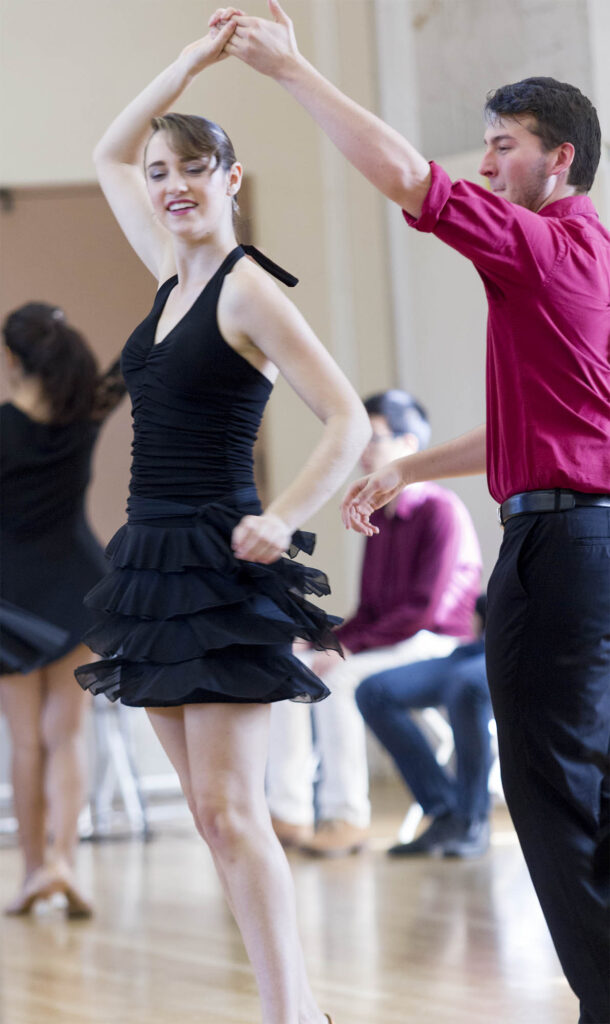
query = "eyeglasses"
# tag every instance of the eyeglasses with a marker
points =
(378, 438)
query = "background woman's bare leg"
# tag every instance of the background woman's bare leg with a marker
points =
(62, 724)
(21, 698)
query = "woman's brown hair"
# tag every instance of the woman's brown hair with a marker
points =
(46, 347)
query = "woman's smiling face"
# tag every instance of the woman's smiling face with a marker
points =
(190, 196)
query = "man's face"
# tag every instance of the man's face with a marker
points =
(515, 164)
(384, 446)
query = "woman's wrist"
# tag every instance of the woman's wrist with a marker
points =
(183, 70)
(284, 517)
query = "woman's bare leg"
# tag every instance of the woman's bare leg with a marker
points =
(219, 751)
(21, 699)
(62, 724)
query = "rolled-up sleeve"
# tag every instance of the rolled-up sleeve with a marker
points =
(434, 203)
(502, 239)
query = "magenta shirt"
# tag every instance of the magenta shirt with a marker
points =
(421, 571)
(547, 278)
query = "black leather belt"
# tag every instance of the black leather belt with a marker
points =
(558, 500)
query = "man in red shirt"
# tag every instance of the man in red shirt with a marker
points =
(544, 258)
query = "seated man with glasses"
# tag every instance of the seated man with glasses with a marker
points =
(420, 579)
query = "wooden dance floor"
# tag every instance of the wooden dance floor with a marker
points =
(387, 942)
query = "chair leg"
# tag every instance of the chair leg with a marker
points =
(410, 822)
(116, 771)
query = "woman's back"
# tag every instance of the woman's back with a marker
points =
(44, 470)
(49, 557)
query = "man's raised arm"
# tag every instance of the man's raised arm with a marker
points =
(379, 152)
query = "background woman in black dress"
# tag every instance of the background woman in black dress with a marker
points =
(49, 559)
(198, 614)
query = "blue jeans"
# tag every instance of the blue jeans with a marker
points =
(459, 684)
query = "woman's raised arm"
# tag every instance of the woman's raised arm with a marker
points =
(119, 154)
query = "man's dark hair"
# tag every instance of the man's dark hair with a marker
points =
(561, 113)
(404, 414)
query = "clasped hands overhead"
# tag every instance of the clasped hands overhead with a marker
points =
(270, 47)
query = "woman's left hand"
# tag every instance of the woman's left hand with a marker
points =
(262, 538)
(267, 46)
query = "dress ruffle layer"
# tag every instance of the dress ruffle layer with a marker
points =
(181, 620)
(27, 641)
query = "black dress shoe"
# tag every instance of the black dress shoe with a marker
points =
(433, 839)
(473, 842)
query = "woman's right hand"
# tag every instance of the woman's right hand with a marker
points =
(262, 538)
(368, 494)
(208, 50)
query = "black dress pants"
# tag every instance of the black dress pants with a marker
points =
(548, 666)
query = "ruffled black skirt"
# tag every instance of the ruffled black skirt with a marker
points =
(27, 641)
(182, 621)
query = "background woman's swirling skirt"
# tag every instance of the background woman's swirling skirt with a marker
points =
(182, 621)
(27, 641)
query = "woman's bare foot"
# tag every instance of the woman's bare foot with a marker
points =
(38, 886)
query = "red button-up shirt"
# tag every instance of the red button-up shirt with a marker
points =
(547, 279)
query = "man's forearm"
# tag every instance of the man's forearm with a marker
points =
(375, 149)
(463, 456)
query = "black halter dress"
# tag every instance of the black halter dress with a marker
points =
(180, 619)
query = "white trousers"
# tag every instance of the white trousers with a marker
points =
(339, 751)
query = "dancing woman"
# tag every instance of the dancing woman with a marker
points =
(197, 618)
(50, 559)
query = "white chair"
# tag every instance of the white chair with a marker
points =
(115, 775)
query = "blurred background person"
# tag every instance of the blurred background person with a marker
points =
(49, 559)
(457, 803)
(420, 578)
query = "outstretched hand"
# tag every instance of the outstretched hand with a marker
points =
(267, 46)
(208, 50)
(368, 494)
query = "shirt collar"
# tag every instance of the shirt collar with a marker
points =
(570, 206)
(411, 498)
